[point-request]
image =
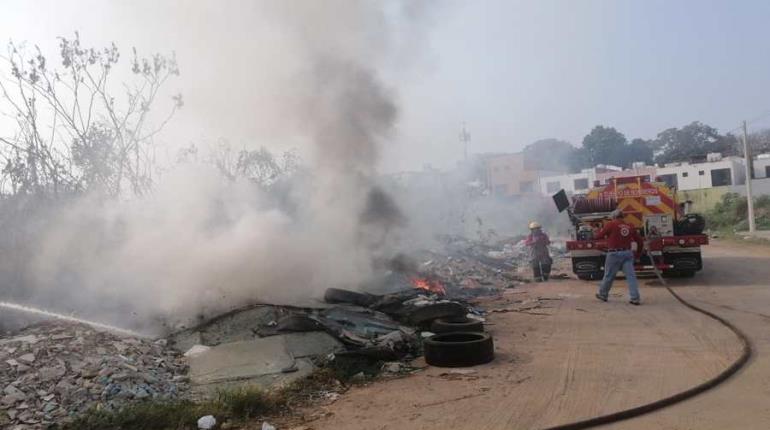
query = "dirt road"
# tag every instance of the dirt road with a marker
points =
(586, 358)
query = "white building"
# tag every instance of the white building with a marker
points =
(571, 183)
(762, 166)
(714, 172)
(576, 183)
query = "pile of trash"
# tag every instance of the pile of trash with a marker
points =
(54, 370)
(384, 326)
(268, 345)
(467, 276)
(471, 268)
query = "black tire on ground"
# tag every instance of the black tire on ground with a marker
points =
(459, 349)
(452, 325)
(337, 295)
(687, 273)
(434, 311)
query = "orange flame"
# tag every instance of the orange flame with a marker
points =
(432, 286)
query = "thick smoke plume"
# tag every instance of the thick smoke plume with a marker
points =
(199, 244)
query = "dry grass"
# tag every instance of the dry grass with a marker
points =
(234, 405)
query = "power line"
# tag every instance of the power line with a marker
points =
(740, 126)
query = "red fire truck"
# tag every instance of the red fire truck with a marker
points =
(673, 239)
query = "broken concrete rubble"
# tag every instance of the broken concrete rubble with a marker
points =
(477, 266)
(275, 345)
(53, 370)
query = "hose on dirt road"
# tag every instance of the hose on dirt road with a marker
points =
(676, 398)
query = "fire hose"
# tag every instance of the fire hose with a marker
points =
(683, 395)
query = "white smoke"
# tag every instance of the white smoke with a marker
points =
(199, 244)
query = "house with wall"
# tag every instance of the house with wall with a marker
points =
(703, 183)
(577, 183)
(716, 171)
(509, 175)
(762, 166)
(572, 183)
(637, 169)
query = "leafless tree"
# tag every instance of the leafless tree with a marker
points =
(73, 132)
(259, 165)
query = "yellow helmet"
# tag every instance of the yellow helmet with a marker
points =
(534, 224)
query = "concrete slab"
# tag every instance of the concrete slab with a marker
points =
(262, 361)
(309, 344)
(237, 326)
(234, 326)
(241, 360)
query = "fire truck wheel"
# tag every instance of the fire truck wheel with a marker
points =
(452, 325)
(460, 349)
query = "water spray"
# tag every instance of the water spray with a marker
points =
(94, 324)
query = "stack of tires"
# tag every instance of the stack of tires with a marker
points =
(458, 342)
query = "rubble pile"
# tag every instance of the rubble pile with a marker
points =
(53, 370)
(471, 268)
(464, 273)
(268, 345)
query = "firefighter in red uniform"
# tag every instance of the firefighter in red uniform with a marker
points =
(540, 256)
(619, 236)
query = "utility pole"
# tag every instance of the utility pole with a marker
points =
(465, 138)
(747, 156)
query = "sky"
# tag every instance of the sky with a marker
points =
(512, 71)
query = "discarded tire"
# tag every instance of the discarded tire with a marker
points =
(428, 313)
(454, 325)
(337, 295)
(458, 349)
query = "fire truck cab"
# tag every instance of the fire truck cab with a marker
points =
(672, 238)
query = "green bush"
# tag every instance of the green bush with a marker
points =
(732, 213)
(239, 404)
(149, 415)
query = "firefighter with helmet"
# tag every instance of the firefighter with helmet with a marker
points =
(540, 256)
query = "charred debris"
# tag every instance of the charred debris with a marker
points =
(52, 371)
(385, 322)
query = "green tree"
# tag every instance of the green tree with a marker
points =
(759, 141)
(638, 150)
(605, 145)
(694, 140)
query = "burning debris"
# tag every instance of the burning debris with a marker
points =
(429, 285)
(54, 370)
(259, 344)
(239, 236)
(51, 371)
